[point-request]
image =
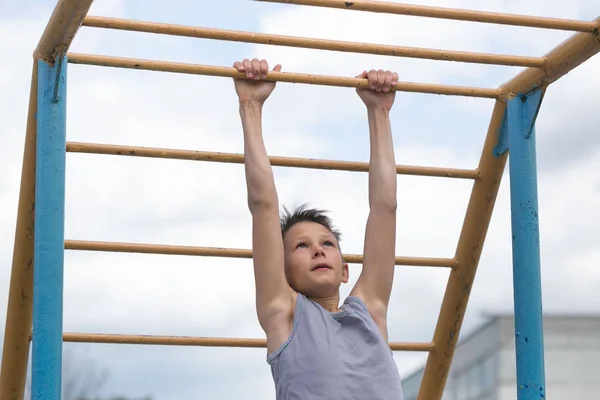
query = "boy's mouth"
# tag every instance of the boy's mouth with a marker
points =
(321, 267)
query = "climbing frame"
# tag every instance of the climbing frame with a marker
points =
(35, 302)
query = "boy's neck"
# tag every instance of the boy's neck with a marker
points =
(331, 304)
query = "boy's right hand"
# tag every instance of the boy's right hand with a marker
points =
(254, 89)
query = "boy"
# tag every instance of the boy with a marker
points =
(318, 350)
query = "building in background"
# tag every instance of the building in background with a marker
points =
(484, 364)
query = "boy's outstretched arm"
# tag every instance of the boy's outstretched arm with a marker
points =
(375, 282)
(273, 294)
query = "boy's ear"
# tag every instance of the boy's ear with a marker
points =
(345, 273)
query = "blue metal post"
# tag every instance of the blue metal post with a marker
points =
(49, 231)
(529, 339)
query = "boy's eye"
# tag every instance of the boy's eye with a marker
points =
(328, 243)
(301, 245)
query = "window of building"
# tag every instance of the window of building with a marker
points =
(474, 382)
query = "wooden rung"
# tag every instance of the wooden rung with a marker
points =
(448, 13)
(311, 43)
(274, 76)
(229, 252)
(202, 341)
(134, 151)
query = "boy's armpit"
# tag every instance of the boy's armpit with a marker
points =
(278, 322)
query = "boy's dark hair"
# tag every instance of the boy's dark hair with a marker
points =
(304, 214)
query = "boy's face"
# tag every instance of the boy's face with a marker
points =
(313, 262)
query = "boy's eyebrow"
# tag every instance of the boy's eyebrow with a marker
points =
(322, 236)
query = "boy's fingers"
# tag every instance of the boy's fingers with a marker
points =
(239, 66)
(264, 68)
(255, 68)
(372, 75)
(362, 74)
(247, 67)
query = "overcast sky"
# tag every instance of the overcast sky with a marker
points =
(204, 204)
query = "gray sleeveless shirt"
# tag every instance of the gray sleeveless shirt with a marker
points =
(334, 356)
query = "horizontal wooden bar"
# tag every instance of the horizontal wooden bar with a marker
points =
(274, 76)
(448, 13)
(229, 252)
(236, 158)
(202, 341)
(311, 43)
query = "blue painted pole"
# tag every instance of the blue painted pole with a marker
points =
(529, 339)
(49, 231)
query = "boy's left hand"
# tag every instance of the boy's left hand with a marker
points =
(379, 94)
